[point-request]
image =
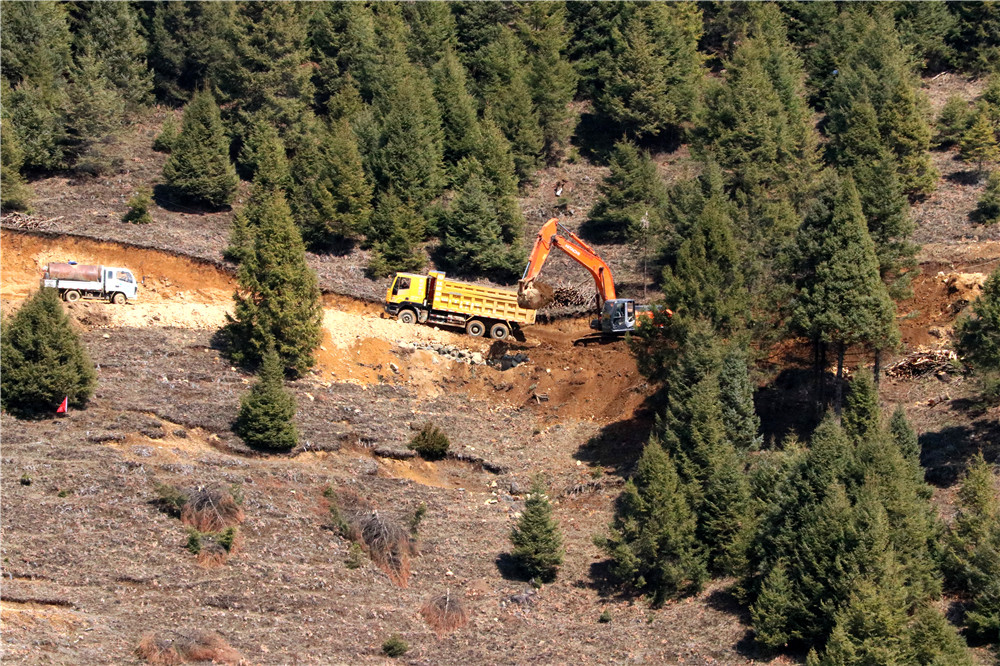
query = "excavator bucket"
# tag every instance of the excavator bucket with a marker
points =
(533, 295)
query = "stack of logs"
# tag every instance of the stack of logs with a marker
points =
(570, 297)
(922, 362)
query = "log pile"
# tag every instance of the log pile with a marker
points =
(570, 297)
(22, 221)
(922, 362)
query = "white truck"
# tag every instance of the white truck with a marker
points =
(75, 281)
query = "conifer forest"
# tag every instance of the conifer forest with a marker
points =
(260, 448)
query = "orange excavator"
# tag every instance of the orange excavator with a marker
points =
(617, 315)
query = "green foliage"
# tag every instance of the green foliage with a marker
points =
(395, 646)
(977, 36)
(536, 538)
(953, 121)
(862, 416)
(605, 617)
(458, 109)
(653, 77)
(171, 498)
(396, 232)
(631, 193)
(265, 419)
(841, 298)
(651, 541)
(278, 298)
(263, 157)
(138, 206)
(14, 194)
(194, 541)
(908, 136)
(417, 518)
(740, 420)
(978, 336)
(199, 166)
(188, 46)
(988, 207)
(43, 359)
(111, 31)
(431, 443)
(979, 143)
(904, 437)
(472, 240)
(500, 180)
(355, 556)
(934, 642)
(165, 140)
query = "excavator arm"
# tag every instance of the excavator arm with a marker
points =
(553, 234)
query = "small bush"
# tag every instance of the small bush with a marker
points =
(394, 646)
(138, 207)
(988, 207)
(445, 613)
(179, 648)
(25, 479)
(389, 546)
(170, 499)
(213, 548)
(164, 141)
(211, 510)
(430, 443)
(536, 538)
(418, 516)
(354, 554)
(605, 617)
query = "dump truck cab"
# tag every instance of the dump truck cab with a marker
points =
(406, 288)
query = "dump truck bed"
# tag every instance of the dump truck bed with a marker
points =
(477, 300)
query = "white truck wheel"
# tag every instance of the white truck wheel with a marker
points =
(475, 328)
(72, 296)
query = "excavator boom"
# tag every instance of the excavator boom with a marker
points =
(552, 234)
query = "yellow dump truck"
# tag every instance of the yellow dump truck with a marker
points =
(434, 299)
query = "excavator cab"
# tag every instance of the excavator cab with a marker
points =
(617, 316)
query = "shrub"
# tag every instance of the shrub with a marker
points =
(394, 646)
(138, 207)
(988, 207)
(430, 443)
(164, 141)
(170, 499)
(42, 359)
(266, 412)
(445, 613)
(388, 544)
(354, 554)
(536, 537)
(418, 516)
(178, 648)
(605, 617)
(211, 510)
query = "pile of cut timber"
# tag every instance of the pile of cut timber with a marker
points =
(921, 362)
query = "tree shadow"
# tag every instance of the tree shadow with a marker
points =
(617, 446)
(336, 247)
(945, 453)
(168, 198)
(965, 177)
(509, 569)
(596, 136)
(787, 405)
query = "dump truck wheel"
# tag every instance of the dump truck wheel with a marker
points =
(72, 296)
(475, 328)
(407, 316)
(499, 331)
(118, 298)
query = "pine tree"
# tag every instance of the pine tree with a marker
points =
(976, 38)
(973, 557)
(979, 335)
(536, 538)
(653, 79)
(988, 207)
(263, 157)
(112, 32)
(934, 642)
(433, 31)
(652, 541)
(458, 109)
(43, 359)
(396, 232)
(952, 122)
(862, 417)
(552, 79)
(472, 242)
(905, 438)
(979, 143)
(265, 419)
(14, 194)
(169, 131)
(189, 45)
(841, 299)
(278, 297)
(199, 166)
(707, 278)
(631, 192)
(500, 180)
(908, 136)
(742, 425)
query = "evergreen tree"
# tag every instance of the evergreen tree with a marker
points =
(742, 425)
(189, 45)
(112, 32)
(344, 48)
(396, 232)
(988, 207)
(263, 156)
(502, 83)
(632, 192)
(536, 538)
(552, 78)
(706, 277)
(458, 109)
(472, 242)
(934, 642)
(165, 140)
(652, 541)
(278, 300)
(862, 417)
(199, 166)
(43, 359)
(331, 196)
(841, 299)
(976, 39)
(953, 122)
(979, 143)
(595, 27)
(433, 31)
(908, 135)
(653, 78)
(925, 29)
(14, 194)
(97, 111)
(500, 180)
(979, 335)
(265, 419)
(904, 437)
(973, 558)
